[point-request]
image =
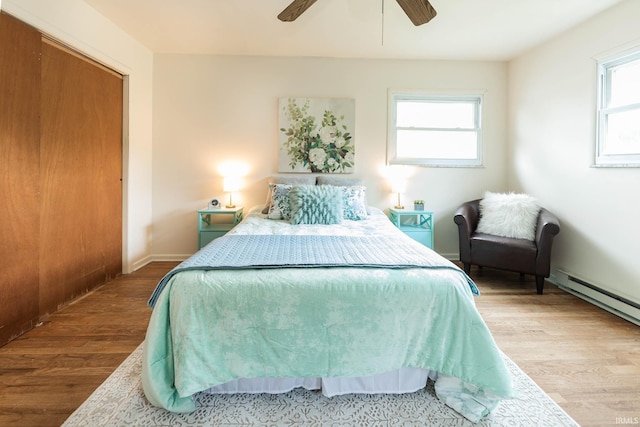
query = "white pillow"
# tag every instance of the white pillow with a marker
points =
(354, 202)
(509, 215)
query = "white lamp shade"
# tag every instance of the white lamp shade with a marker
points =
(231, 184)
(398, 186)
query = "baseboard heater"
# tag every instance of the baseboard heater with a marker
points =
(620, 306)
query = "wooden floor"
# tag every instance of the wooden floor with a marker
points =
(586, 359)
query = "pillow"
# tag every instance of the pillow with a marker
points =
(337, 180)
(292, 180)
(321, 204)
(354, 202)
(341, 181)
(509, 215)
(279, 208)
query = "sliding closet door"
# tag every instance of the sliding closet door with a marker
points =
(80, 175)
(19, 178)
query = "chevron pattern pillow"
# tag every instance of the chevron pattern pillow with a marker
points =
(316, 204)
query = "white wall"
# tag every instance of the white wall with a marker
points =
(80, 26)
(552, 92)
(211, 109)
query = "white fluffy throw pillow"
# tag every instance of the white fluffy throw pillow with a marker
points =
(509, 215)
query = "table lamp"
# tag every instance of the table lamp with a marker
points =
(231, 184)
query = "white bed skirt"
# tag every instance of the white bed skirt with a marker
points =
(403, 380)
(472, 405)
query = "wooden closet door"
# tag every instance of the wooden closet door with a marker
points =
(81, 176)
(19, 177)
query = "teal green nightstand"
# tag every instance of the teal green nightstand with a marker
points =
(213, 223)
(416, 224)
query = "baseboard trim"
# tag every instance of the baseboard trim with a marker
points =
(452, 256)
(137, 265)
(170, 257)
(598, 296)
(159, 258)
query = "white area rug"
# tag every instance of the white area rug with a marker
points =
(120, 401)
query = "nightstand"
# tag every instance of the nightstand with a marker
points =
(213, 223)
(416, 224)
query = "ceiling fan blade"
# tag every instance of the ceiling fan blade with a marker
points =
(419, 11)
(295, 9)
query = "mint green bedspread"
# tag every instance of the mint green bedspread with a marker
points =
(211, 327)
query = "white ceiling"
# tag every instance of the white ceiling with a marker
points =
(463, 29)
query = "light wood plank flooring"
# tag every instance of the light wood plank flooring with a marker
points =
(586, 359)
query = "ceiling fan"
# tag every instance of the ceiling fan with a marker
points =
(419, 11)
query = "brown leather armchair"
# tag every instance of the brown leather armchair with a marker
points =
(519, 255)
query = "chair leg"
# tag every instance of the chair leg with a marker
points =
(467, 268)
(539, 284)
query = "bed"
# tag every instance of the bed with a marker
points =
(345, 306)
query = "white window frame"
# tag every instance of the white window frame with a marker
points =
(603, 159)
(395, 96)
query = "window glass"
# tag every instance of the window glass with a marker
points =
(622, 133)
(437, 144)
(625, 84)
(435, 114)
(434, 130)
(618, 123)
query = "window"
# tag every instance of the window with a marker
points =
(435, 130)
(618, 121)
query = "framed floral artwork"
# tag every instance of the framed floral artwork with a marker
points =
(316, 135)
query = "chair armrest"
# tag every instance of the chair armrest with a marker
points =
(547, 228)
(548, 225)
(467, 217)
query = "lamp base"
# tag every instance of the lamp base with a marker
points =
(398, 207)
(230, 206)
